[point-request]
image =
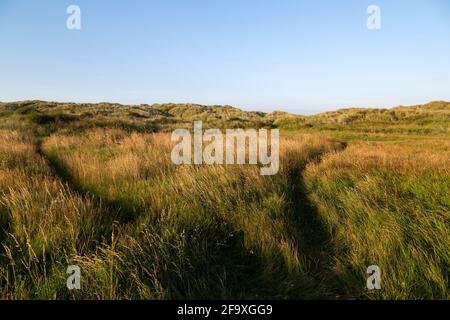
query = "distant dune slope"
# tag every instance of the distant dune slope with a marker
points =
(433, 117)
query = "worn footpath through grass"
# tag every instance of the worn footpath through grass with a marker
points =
(387, 204)
(167, 231)
(140, 227)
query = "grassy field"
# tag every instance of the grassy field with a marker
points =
(94, 186)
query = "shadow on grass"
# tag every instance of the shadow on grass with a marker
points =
(5, 223)
(213, 261)
(111, 212)
(309, 232)
(253, 275)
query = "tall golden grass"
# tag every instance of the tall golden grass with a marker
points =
(233, 208)
(388, 204)
(139, 227)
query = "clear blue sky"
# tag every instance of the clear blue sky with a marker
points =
(292, 55)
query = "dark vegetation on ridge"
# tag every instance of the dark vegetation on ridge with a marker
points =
(432, 118)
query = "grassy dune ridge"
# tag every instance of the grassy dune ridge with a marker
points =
(46, 117)
(93, 185)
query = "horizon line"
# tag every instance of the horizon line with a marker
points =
(226, 105)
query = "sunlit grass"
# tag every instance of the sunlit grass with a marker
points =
(389, 205)
(92, 185)
(196, 231)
